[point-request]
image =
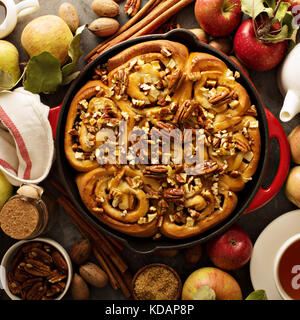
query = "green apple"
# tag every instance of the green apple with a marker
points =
(9, 59)
(6, 189)
(47, 33)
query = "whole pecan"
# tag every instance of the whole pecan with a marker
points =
(156, 172)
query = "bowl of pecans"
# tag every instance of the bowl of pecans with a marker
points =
(38, 269)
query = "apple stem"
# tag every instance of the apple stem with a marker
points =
(232, 242)
(227, 6)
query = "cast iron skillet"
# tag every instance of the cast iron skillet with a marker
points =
(147, 245)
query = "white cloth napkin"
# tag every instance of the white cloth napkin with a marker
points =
(26, 142)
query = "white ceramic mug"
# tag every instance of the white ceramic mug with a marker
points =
(295, 271)
(13, 12)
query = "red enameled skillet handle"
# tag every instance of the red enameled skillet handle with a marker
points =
(53, 119)
(265, 195)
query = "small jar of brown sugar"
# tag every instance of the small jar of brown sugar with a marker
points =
(156, 282)
(26, 215)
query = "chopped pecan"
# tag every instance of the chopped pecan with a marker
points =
(37, 268)
(132, 7)
(234, 174)
(36, 292)
(59, 261)
(205, 167)
(156, 172)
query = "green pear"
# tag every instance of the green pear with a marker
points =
(47, 33)
(6, 189)
(9, 59)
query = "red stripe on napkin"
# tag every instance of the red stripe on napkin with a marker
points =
(19, 140)
(7, 166)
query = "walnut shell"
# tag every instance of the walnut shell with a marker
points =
(93, 275)
(81, 251)
(79, 288)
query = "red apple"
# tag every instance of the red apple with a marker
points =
(218, 17)
(222, 283)
(255, 54)
(231, 250)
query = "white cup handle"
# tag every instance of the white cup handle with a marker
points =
(27, 7)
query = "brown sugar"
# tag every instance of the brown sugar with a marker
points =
(156, 283)
(19, 218)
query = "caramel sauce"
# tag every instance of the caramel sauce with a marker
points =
(289, 270)
(2, 12)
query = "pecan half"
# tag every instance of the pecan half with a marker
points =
(36, 292)
(205, 167)
(175, 194)
(219, 97)
(132, 7)
(241, 143)
(174, 79)
(13, 285)
(56, 276)
(185, 111)
(59, 261)
(156, 172)
(37, 268)
(38, 254)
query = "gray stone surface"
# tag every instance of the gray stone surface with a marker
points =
(64, 231)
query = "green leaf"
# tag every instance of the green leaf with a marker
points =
(74, 53)
(282, 11)
(70, 78)
(255, 7)
(281, 36)
(6, 80)
(257, 295)
(43, 74)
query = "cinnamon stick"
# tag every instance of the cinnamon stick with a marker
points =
(160, 14)
(103, 264)
(149, 28)
(92, 233)
(121, 282)
(141, 13)
(116, 243)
